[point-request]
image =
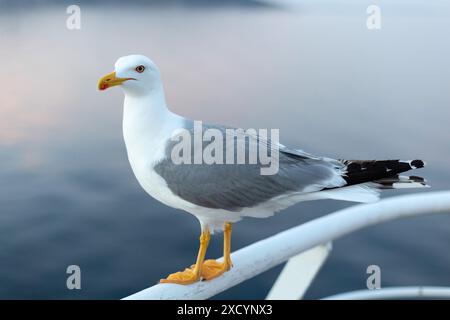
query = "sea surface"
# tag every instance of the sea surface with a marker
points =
(313, 70)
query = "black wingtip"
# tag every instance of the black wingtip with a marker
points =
(416, 164)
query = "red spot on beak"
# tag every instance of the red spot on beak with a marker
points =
(103, 86)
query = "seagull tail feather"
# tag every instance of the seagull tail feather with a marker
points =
(383, 174)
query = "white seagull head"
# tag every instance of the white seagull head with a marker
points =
(136, 74)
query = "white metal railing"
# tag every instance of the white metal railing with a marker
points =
(268, 253)
(394, 293)
(298, 274)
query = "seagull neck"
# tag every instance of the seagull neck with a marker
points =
(149, 108)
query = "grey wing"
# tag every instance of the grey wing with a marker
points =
(234, 187)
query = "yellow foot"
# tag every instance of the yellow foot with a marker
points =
(183, 277)
(212, 269)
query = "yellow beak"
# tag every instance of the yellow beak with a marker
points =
(110, 80)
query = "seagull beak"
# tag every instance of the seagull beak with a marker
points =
(110, 80)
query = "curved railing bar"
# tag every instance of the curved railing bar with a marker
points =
(394, 293)
(266, 254)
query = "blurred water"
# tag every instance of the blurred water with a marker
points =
(333, 87)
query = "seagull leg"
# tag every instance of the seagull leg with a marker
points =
(212, 268)
(193, 274)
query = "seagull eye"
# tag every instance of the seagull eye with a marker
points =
(140, 69)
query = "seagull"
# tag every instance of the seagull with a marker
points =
(218, 194)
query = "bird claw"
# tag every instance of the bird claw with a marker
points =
(182, 277)
(212, 269)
